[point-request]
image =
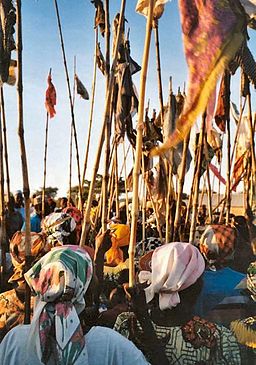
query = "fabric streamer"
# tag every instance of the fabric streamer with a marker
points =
(213, 31)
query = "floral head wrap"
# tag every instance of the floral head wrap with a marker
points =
(39, 247)
(251, 279)
(217, 245)
(58, 226)
(60, 280)
(77, 215)
(175, 266)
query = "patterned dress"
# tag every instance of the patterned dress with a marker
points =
(198, 341)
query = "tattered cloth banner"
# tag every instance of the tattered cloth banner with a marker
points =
(80, 89)
(99, 16)
(50, 98)
(213, 31)
(7, 44)
(142, 8)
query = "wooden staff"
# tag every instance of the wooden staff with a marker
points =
(2, 215)
(136, 169)
(228, 183)
(5, 150)
(209, 192)
(125, 185)
(91, 108)
(23, 156)
(158, 67)
(197, 181)
(107, 111)
(144, 202)
(252, 132)
(116, 183)
(107, 127)
(180, 187)
(45, 158)
(70, 99)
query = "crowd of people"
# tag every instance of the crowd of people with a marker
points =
(191, 304)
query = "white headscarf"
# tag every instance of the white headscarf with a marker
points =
(175, 266)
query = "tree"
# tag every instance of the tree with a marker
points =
(49, 191)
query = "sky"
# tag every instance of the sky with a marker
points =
(42, 51)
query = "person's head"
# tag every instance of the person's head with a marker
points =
(38, 204)
(60, 280)
(18, 197)
(217, 245)
(60, 229)
(39, 247)
(94, 203)
(120, 237)
(117, 296)
(173, 268)
(63, 203)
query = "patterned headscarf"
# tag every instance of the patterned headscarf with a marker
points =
(175, 267)
(39, 247)
(60, 280)
(217, 245)
(120, 237)
(58, 226)
(77, 215)
(251, 279)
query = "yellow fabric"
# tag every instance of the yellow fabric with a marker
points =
(120, 237)
(245, 335)
(113, 270)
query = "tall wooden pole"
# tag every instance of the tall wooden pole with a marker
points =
(91, 108)
(197, 181)
(2, 215)
(116, 183)
(71, 142)
(158, 66)
(70, 99)
(45, 158)
(26, 191)
(136, 169)
(107, 127)
(228, 182)
(180, 187)
(107, 112)
(125, 186)
(45, 163)
(5, 150)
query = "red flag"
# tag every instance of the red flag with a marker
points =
(216, 172)
(50, 98)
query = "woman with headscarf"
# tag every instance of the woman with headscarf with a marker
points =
(77, 215)
(60, 229)
(174, 274)
(60, 281)
(12, 301)
(245, 328)
(217, 246)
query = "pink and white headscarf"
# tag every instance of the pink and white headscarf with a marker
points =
(175, 266)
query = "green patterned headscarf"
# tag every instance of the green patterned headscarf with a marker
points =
(60, 280)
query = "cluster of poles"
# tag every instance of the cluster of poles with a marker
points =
(110, 170)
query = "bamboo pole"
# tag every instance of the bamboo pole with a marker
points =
(180, 188)
(45, 162)
(45, 159)
(2, 215)
(197, 181)
(144, 195)
(125, 186)
(71, 141)
(91, 108)
(116, 183)
(70, 98)
(158, 226)
(209, 193)
(158, 67)
(86, 221)
(5, 150)
(136, 170)
(23, 155)
(107, 126)
(228, 183)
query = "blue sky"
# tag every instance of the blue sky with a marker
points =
(42, 50)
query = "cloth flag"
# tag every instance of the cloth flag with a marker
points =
(80, 89)
(50, 98)
(100, 60)
(143, 5)
(99, 20)
(7, 43)
(213, 31)
(223, 104)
